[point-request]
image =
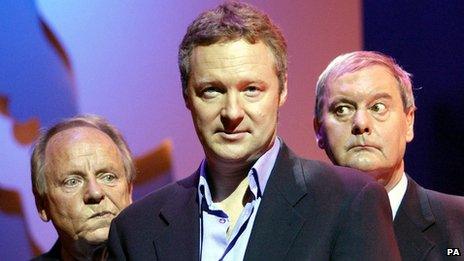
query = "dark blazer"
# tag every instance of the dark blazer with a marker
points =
(429, 222)
(99, 253)
(309, 211)
(53, 254)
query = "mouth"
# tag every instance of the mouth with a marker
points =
(360, 147)
(102, 214)
(232, 135)
(364, 147)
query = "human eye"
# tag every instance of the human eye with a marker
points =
(72, 182)
(210, 92)
(252, 91)
(343, 110)
(108, 178)
(379, 108)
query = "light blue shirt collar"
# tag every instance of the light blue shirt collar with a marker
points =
(258, 174)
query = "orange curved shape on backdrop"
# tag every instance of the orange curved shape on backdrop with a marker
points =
(11, 202)
(27, 132)
(154, 163)
(4, 105)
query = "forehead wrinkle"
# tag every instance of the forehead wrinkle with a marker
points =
(81, 141)
(364, 82)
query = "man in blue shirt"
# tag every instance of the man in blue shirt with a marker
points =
(251, 198)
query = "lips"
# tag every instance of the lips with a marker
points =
(232, 136)
(363, 147)
(102, 214)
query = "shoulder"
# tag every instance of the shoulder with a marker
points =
(335, 178)
(318, 173)
(53, 254)
(451, 201)
(449, 206)
(326, 185)
(439, 216)
(323, 180)
(150, 205)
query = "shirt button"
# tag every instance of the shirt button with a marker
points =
(222, 220)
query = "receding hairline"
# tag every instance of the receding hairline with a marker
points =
(38, 160)
(66, 136)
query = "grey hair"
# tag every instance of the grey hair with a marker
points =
(355, 61)
(39, 185)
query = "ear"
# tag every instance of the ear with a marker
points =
(410, 124)
(41, 208)
(319, 135)
(130, 192)
(186, 99)
(283, 93)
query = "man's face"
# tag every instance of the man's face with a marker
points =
(86, 184)
(364, 125)
(233, 95)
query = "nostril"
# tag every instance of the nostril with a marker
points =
(358, 130)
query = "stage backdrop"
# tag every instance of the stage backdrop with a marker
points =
(119, 60)
(427, 39)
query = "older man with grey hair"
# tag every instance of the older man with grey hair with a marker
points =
(364, 118)
(82, 175)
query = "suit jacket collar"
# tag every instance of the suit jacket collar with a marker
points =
(179, 239)
(277, 222)
(414, 219)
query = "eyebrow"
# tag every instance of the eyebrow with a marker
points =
(382, 95)
(83, 174)
(201, 83)
(341, 100)
(241, 84)
(107, 170)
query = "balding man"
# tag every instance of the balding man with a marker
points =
(82, 174)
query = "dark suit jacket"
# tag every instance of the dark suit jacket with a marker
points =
(309, 211)
(53, 254)
(428, 222)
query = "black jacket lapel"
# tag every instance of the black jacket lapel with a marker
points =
(412, 221)
(277, 222)
(179, 239)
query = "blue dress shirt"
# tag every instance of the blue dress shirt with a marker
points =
(214, 222)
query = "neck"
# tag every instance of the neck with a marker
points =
(225, 177)
(389, 180)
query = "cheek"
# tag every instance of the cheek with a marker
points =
(203, 115)
(337, 132)
(63, 201)
(66, 208)
(119, 195)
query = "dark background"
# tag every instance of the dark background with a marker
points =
(427, 40)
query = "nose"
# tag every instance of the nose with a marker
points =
(94, 193)
(361, 123)
(232, 112)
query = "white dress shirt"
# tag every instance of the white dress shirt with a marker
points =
(397, 193)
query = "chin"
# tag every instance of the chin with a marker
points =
(230, 153)
(98, 236)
